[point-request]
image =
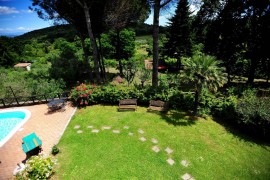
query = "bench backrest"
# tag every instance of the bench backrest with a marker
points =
(158, 103)
(128, 102)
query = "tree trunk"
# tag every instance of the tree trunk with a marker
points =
(228, 75)
(93, 42)
(196, 104)
(155, 43)
(102, 59)
(86, 59)
(252, 69)
(118, 53)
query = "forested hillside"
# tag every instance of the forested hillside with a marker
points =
(50, 34)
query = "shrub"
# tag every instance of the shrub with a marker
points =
(255, 113)
(112, 94)
(82, 94)
(38, 167)
(181, 100)
(55, 150)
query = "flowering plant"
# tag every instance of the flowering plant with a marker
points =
(82, 93)
(38, 167)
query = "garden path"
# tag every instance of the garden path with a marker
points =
(155, 148)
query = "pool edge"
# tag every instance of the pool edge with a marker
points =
(18, 126)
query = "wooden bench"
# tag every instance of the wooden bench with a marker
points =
(127, 104)
(157, 105)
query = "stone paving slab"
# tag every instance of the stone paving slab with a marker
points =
(130, 133)
(106, 127)
(126, 127)
(184, 163)
(77, 127)
(116, 131)
(187, 177)
(155, 149)
(140, 131)
(155, 141)
(142, 139)
(90, 127)
(168, 150)
(48, 127)
(79, 131)
(170, 161)
(95, 131)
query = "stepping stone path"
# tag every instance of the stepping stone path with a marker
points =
(79, 131)
(155, 141)
(156, 149)
(116, 131)
(140, 131)
(170, 161)
(168, 150)
(130, 133)
(184, 163)
(142, 139)
(95, 131)
(187, 177)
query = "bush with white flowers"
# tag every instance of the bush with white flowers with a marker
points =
(38, 167)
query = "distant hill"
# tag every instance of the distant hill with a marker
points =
(50, 34)
(146, 29)
(68, 32)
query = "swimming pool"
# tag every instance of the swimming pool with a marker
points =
(10, 122)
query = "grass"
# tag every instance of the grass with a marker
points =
(212, 152)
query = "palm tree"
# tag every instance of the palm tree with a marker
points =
(204, 72)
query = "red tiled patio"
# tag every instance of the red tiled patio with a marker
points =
(48, 127)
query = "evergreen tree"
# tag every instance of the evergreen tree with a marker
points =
(179, 37)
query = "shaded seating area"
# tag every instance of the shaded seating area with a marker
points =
(56, 104)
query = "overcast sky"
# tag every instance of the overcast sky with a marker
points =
(16, 18)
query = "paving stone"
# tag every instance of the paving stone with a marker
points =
(142, 139)
(168, 150)
(184, 163)
(79, 131)
(106, 127)
(130, 133)
(156, 149)
(90, 127)
(95, 131)
(77, 126)
(187, 177)
(116, 131)
(126, 127)
(170, 161)
(140, 131)
(155, 141)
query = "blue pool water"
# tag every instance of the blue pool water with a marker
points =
(10, 122)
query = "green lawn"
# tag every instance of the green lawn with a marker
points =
(212, 152)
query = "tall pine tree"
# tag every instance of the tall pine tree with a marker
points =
(179, 37)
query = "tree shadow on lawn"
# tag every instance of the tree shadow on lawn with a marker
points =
(244, 134)
(177, 118)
